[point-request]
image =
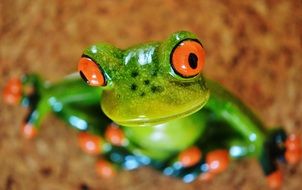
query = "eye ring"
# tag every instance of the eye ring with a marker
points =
(91, 72)
(187, 58)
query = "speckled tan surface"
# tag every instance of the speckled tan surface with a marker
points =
(253, 48)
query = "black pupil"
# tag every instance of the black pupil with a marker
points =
(193, 59)
(83, 76)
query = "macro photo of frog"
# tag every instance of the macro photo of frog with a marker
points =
(151, 105)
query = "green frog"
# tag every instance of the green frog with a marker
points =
(150, 105)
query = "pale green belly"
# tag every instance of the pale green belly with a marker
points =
(163, 140)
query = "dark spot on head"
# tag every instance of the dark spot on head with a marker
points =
(143, 94)
(154, 73)
(46, 171)
(146, 82)
(83, 186)
(155, 89)
(133, 87)
(193, 60)
(134, 74)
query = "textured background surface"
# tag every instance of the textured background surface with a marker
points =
(253, 48)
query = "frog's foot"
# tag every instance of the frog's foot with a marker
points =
(96, 144)
(191, 164)
(217, 161)
(22, 91)
(279, 147)
(105, 168)
(26, 92)
(292, 155)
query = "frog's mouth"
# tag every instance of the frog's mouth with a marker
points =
(142, 120)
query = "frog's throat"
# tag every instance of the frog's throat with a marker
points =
(143, 121)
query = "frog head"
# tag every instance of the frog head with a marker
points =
(150, 83)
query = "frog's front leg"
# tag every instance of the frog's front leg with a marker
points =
(266, 146)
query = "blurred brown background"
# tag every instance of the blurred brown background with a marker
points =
(253, 48)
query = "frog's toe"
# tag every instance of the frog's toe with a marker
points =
(217, 161)
(105, 169)
(206, 177)
(293, 152)
(12, 92)
(28, 130)
(190, 156)
(275, 179)
(115, 135)
(91, 144)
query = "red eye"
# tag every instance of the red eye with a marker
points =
(188, 58)
(90, 72)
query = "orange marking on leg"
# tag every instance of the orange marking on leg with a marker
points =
(218, 161)
(90, 144)
(105, 169)
(190, 156)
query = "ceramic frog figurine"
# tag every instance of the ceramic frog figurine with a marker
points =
(151, 105)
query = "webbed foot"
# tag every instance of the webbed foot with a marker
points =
(26, 91)
(279, 147)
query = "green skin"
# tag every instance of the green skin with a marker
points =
(158, 110)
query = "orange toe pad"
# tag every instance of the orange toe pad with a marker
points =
(218, 161)
(105, 169)
(90, 144)
(28, 131)
(275, 179)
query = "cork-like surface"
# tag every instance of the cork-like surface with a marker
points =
(253, 48)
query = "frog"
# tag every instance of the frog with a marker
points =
(150, 105)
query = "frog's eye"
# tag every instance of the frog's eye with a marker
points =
(90, 72)
(188, 58)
